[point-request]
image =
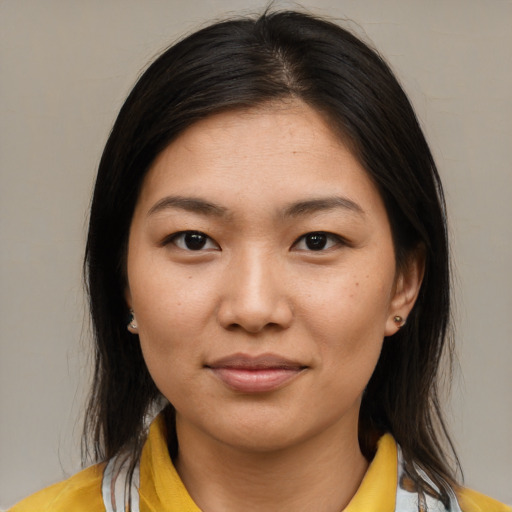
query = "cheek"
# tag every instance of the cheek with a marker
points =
(169, 298)
(173, 310)
(347, 320)
(350, 306)
(169, 349)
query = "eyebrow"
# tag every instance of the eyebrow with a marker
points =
(297, 209)
(190, 204)
(322, 204)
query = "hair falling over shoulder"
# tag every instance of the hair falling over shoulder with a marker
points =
(242, 63)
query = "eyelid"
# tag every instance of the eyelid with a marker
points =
(171, 239)
(338, 241)
(333, 241)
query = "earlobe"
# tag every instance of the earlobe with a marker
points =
(407, 288)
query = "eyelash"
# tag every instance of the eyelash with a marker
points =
(182, 234)
(335, 239)
(316, 237)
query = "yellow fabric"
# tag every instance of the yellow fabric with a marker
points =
(378, 488)
(80, 493)
(161, 489)
(472, 501)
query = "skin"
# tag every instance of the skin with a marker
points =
(255, 288)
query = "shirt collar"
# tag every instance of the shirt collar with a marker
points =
(161, 487)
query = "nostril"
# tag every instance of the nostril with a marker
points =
(254, 308)
(254, 328)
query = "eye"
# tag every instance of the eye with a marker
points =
(192, 241)
(317, 241)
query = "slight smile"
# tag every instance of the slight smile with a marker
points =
(260, 374)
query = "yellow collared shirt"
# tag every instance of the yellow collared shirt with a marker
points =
(161, 489)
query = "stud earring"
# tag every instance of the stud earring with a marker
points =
(399, 321)
(133, 322)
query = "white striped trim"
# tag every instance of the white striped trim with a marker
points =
(118, 494)
(407, 501)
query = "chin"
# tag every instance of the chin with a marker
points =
(267, 432)
(262, 440)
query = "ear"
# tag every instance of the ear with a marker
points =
(407, 287)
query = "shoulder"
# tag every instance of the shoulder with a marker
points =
(472, 501)
(80, 493)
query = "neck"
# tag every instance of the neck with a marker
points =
(322, 473)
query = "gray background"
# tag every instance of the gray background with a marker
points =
(65, 69)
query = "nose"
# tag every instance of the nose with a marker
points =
(255, 295)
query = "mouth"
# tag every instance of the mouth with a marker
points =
(260, 374)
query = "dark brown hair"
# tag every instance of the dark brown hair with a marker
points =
(243, 63)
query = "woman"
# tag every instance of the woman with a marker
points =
(267, 264)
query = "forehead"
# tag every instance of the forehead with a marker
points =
(284, 128)
(267, 154)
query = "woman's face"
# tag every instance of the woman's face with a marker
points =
(261, 271)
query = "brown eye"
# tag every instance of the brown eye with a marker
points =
(317, 241)
(193, 241)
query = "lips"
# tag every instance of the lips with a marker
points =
(260, 374)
